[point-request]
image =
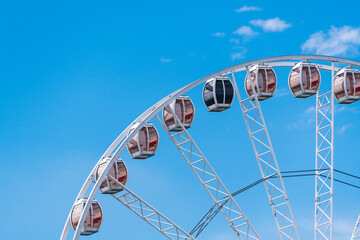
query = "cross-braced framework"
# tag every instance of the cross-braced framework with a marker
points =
(150, 214)
(325, 162)
(211, 182)
(356, 232)
(263, 150)
(268, 165)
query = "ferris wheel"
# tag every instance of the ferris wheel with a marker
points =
(176, 113)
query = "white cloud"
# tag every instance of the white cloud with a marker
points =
(306, 119)
(218, 34)
(271, 25)
(335, 41)
(234, 40)
(245, 31)
(340, 109)
(165, 60)
(236, 56)
(246, 8)
(240, 54)
(344, 128)
(281, 92)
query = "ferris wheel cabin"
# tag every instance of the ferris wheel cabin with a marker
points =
(145, 142)
(304, 80)
(218, 94)
(93, 218)
(184, 109)
(118, 171)
(347, 86)
(264, 81)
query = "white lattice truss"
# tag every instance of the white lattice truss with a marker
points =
(268, 165)
(150, 214)
(356, 232)
(324, 162)
(211, 182)
(264, 154)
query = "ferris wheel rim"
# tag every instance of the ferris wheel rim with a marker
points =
(118, 145)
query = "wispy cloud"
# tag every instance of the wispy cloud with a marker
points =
(234, 40)
(240, 54)
(281, 92)
(165, 60)
(218, 34)
(342, 41)
(343, 228)
(271, 25)
(245, 31)
(246, 8)
(344, 128)
(306, 119)
(347, 108)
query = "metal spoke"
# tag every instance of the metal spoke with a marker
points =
(356, 232)
(211, 182)
(268, 165)
(150, 214)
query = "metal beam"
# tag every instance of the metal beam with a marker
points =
(268, 165)
(324, 179)
(211, 182)
(356, 232)
(149, 214)
(120, 142)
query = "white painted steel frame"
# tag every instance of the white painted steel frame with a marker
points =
(211, 181)
(324, 179)
(116, 148)
(356, 232)
(268, 165)
(145, 211)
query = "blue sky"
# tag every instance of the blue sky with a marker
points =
(75, 74)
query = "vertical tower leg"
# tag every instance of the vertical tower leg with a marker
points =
(324, 163)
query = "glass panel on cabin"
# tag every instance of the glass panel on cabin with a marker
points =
(208, 94)
(112, 172)
(88, 223)
(189, 111)
(357, 84)
(75, 215)
(271, 81)
(99, 171)
(122, 173)
(179, 109)
(295, 80)
(350, 86)
(250, 77)
(229, 91)
(305, 77)
(261, 81)
(339, 90)
(97, 216)
(153, 139)
(143, 139)
(219, 91)
(168, 116)
(315, 78)
(133, 144)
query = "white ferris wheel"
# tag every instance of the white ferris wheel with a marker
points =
(176, 113)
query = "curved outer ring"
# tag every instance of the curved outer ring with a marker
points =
(115, 149)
